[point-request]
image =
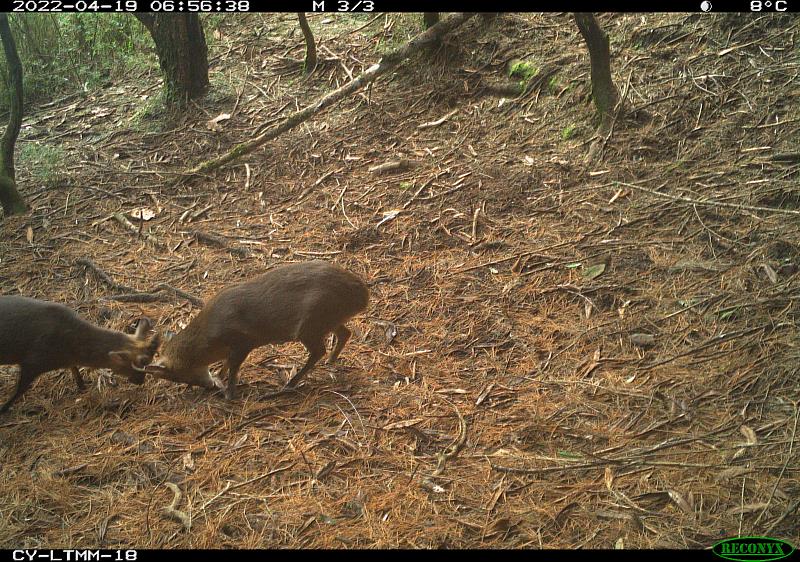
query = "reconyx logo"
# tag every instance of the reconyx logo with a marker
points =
(752, 549)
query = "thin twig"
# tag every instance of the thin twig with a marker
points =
(709, 203)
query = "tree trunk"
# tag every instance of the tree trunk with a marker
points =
(182, 54)
(430, 19)
(604, 92)
(10, 198)
(311, 47)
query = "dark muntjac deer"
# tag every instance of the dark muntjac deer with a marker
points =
(297, 302)
(42, 336)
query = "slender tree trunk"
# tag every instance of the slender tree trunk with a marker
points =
(10, 198)
(604, 92)
(311, 47)
(182, 54)
(430, 19)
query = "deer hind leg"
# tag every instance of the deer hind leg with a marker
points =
(316, 351)
(27, 375)
(76, 374)
(232, 364)
(342, 335)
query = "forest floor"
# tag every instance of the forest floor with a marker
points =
(556, 354)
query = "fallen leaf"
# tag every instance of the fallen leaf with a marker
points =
(609, 477)
(213, 124)
(732, 472)
(389, 215)
(680, 501)
(188, 461)
(484, 393)
(593, 364)
(143, 213)
(452, 391)
(389, 330)
(569, 455)
(748, 508)
(616, 196)
(594, 271)
(29, 235)
(749, 434)
(430, 486)
(562, 515)
(653, 500)
(770, 273)
(643, 340)
(392, 166)
(101, 532)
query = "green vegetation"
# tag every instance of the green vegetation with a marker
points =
(406, 26)
(151, 115)
(46, 163)
(63, 53)
(568, 132)
(522, 70)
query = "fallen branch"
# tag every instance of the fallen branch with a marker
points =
(120, 218)
(228, 487)
(135, 297)
(789, 457)
(387, 63)
(713, 341)
(220, 242)
(156, 297)
(199, 303)
(452, 451)
(174, 513)
(102, 275)
(710, 203)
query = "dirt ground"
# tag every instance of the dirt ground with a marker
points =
(556, 354)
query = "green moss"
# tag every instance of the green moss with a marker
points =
(568, 132)
(149, 115)
(522, 71)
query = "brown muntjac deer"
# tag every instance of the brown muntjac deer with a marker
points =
(42, 336)
(297, 302)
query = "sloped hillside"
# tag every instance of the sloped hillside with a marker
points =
(556, 355)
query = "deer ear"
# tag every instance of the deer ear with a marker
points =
(142, 328)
